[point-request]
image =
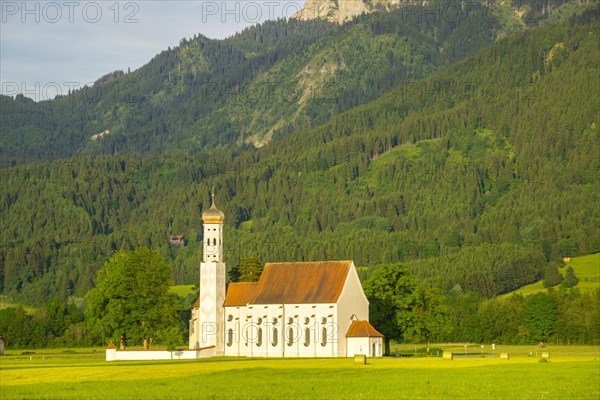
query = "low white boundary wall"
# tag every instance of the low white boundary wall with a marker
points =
(114, 355)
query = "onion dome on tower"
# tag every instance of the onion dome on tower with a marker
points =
(212, 215)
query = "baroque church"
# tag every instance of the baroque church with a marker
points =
(296, 309)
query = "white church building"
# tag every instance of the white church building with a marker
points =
(296, 309)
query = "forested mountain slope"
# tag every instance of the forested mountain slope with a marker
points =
(145, 110)
(270, 80)
(477, 176)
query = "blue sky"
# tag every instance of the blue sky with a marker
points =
(47, 47)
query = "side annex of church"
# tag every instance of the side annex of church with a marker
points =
(296, 309)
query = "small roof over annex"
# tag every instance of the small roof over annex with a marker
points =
(362, 329)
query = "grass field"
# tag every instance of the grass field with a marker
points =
(573, 373)
(586, 268)
(183, 290)
(6, 302)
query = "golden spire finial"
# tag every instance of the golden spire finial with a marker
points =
(212, 215)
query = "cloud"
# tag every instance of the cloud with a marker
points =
(56, 42)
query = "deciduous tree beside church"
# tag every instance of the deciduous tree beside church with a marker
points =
(131, 300)
(392, 292)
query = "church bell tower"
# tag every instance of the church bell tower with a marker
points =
(207, 318)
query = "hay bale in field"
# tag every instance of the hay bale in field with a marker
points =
(546, 355)
(447, 355)
(504, 356)
(360, 359)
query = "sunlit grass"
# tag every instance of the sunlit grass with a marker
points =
(183, 290)
(574, 372)
(586, 268)
(5, 302)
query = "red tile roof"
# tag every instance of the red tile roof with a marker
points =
(362, 329)
(292, 283)
(302, 282)
(241, 293)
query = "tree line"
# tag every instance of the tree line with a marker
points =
(132, 305)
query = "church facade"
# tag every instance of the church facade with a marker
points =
(296, 309)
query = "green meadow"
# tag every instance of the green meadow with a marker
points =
(6, 302)
(586, 268)
(183, 290)
(572, 373)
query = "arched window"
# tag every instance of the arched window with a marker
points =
(215, 241)
(290, 337)
(324, 337)
(229, 337)
(306, 337)
(259, 341)
(275, 338)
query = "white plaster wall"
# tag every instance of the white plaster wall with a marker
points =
(329, 312)
(352, 300)
(267, 317)
(114, 355)
(376, 351)
(291, 323)
(221, 283)
(275, 319)
(306, 314)
(299, 318)
(194, 338)
(213, 252)
(244, 344)
(212, 297)
(246, 319)
(371, 347)
(238, 314)
(245, 330)
(357, 345)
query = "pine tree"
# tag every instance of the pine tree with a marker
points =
(552, 277)
(250, 269)
(570, 279)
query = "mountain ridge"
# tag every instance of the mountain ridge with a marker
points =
(261, 84)
(470, 185)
